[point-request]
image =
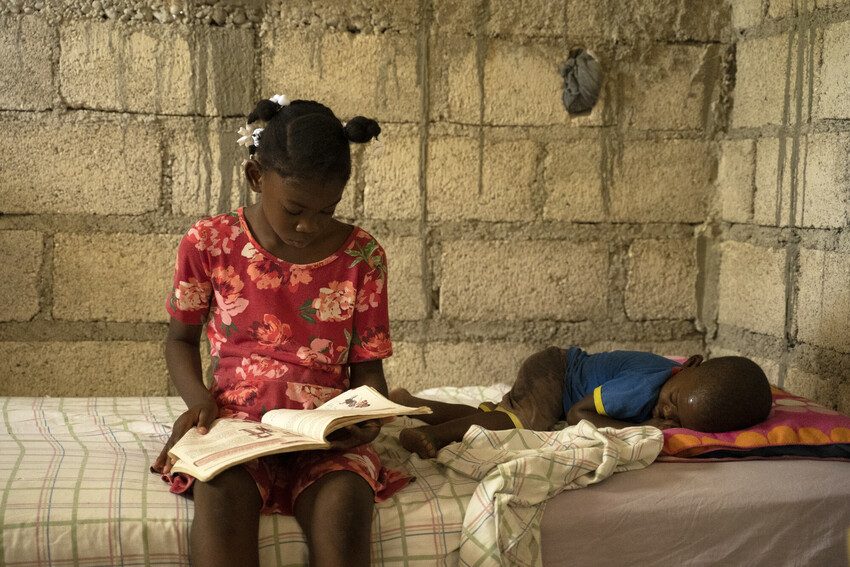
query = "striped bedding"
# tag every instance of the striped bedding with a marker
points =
(76, 490)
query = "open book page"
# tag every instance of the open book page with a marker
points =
(349, 407)
(233, 441)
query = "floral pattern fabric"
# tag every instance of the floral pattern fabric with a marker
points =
(281, 335)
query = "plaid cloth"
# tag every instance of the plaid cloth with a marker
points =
(519, 470)
(76, 490)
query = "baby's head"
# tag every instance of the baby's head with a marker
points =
(722, 394)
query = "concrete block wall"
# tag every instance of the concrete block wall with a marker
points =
(781, 250)
(510, 225)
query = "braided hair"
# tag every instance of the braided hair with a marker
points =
(305, 140)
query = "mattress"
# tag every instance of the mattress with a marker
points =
(76, 491)
(753, 513)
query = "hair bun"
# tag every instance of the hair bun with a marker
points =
(361, 129)
(264, 110)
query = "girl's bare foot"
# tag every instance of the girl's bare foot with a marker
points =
(418, 440)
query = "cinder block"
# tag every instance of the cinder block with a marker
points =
(110, 66)
(532, 97)
(736, 179)
(381, 72)
(617, 19)
(516, 280)
(87, 368)
(833, 77)
(746, 13)
(474, 363)
(647, 189)
(813, 386)
(227, 58)
(406, 367)
(764, 68)
(826, 181)
(392, 176)
(458, 17)
(26, 68)
(781, 8)
(752, 288)
(823, 299)
(160, 69)
(667, 86)
(455, 81)
(113, 277)
(404, 283)
(656, 265)
(22, 252)
(508, 173)
(206, 166)
(529, 17)
(99, 167)
(772, 199)
(573, 180)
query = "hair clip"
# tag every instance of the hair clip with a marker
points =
(281, 100)
(249, 136)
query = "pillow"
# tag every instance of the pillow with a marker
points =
(795, 428)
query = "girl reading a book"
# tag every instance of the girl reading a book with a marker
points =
(295, 307)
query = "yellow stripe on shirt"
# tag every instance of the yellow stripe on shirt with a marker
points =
(597, 400)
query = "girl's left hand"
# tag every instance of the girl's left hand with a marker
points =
(357, 434)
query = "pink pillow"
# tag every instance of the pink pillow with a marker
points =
(796, 427)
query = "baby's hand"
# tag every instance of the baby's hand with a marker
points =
(354, 435)
(200, 415)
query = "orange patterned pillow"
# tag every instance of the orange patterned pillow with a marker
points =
(796, 427)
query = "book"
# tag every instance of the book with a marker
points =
(231, 441)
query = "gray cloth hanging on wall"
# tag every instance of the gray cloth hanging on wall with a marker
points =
(582, 81)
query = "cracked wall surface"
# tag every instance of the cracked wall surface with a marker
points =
(509, 224)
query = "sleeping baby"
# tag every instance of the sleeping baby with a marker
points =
(609, 389)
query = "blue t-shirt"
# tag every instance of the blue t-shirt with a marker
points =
(625, 384)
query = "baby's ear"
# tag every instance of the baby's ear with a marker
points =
(694, 360)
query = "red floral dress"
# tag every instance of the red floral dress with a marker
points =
(281, 336)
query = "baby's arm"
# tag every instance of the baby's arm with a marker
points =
(586, 409)
(183, 358)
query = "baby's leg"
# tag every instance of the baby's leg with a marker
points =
(426, 441)
(227, 520)
(335, 513)
(442, 411)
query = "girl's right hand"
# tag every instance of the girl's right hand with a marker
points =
(201, 415)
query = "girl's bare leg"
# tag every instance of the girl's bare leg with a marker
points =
(335, 513)
(442, 411)
(427, 440)
(227, 520)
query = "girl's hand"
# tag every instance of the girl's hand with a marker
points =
(357, 434)
(200, 415)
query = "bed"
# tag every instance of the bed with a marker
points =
(76, 491)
